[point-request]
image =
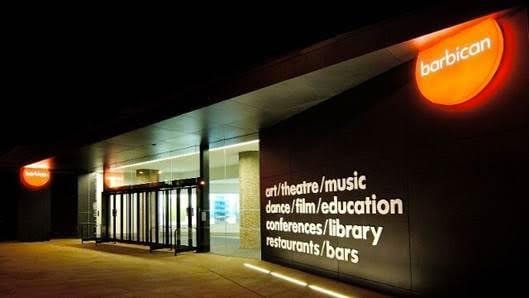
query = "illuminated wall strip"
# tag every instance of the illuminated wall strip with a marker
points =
(154, 160)
(256, 268)
(296, 281)
(327, 292)
(183, 155)
(290, 279)
(234, 145)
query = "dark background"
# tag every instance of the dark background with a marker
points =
(462, 170)
(64, 202)
(8, 212)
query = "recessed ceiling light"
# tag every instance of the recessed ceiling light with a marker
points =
(182, 155)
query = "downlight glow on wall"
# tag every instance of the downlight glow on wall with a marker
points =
(457, 68)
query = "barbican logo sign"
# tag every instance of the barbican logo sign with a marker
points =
(34, 178)
(457, 68)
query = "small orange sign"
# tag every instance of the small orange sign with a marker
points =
(113, 179)
(460, 66)
(35, 177)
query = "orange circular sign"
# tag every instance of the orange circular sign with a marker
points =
(35, 177)
(460, 66)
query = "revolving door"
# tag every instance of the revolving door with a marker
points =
(159, 215)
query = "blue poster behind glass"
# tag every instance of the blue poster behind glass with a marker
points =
(220, 212)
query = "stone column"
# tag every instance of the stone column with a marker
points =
(249, 199)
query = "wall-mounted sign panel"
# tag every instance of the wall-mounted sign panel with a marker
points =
(352, 221)
(457, 68)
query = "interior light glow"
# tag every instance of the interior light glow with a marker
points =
(113, 179)
(327, 292)
(182, 155)
(290, 279)
(256, 268)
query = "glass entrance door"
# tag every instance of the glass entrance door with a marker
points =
(160, 217)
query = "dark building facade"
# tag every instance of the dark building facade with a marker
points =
(459, 171)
